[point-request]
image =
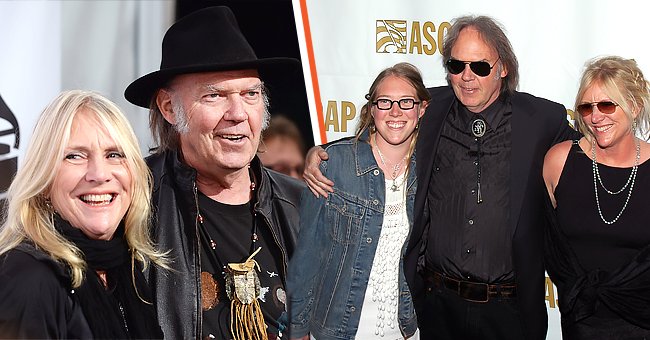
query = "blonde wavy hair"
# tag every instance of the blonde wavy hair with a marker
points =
(624, 83)
(28, 213)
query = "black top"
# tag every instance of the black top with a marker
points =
(596, 244)
(231, 229)
(600, 269)
(36, 300)
(472, 240)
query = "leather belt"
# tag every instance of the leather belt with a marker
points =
(470, 291)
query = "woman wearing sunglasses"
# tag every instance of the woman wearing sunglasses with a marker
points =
(346, 276)
(598, 236)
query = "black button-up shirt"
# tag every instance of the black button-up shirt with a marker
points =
(470, 240)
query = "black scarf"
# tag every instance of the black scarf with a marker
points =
(115, 311)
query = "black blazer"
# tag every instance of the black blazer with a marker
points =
(537, 124)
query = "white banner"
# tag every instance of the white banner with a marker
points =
(347, 43)
(30, 75)
(48, 46)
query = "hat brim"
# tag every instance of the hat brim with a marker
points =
(141, 91)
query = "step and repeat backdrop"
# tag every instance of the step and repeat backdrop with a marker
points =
(50, 46)
(349, 42)
(30, 76)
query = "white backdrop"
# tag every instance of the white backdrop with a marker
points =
(30, 74)
(49, 46)
(347, 46)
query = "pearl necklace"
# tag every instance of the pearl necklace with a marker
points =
(630, 181)
(396, 168)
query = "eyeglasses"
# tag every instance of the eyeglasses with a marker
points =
(387, 104)
(480, 68)
(606, 107)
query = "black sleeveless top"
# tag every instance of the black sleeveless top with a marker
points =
(602, 271)
(598, 245)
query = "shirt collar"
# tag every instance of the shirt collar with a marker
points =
(493, 114)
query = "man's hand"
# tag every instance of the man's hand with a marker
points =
(318, 184)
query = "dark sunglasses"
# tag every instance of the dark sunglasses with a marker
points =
(605, 107)
(480, 68)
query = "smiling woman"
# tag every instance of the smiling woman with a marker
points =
(92, 188)
(351, 244)
(77, 218)
(597, 236)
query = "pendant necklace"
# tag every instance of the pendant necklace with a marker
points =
(396, 168)
(211, 293)
(478, 130)
(598, 180)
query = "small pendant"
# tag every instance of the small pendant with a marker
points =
(394, 187)
(478, 127)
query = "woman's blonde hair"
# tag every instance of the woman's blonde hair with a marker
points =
(624, 83)
(29, 214)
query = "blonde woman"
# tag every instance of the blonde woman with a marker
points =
(75, 239)
(598, 240)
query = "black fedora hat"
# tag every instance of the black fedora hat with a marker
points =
(204, 41)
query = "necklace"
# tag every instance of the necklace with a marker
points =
(211, 292)
(396, 168)
(630, 181)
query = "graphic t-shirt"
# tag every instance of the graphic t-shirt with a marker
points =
(230, 230)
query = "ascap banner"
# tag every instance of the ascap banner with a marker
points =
(350, 42)
(345, 44)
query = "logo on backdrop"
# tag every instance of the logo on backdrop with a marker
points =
(402, 36)
(337, 116)
(9, 142)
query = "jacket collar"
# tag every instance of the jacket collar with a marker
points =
(263, 192)
(60, 270)
(365, 160)
(185, 177)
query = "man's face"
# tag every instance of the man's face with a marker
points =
(283, 154)
(475, 92)
(224, 113)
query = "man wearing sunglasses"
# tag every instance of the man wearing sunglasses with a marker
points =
(474, 260)
(477, 245)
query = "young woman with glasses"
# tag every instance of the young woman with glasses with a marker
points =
(346, 277)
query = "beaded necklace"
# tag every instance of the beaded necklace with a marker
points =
(396, 168)
(597, 180)
(211, 293)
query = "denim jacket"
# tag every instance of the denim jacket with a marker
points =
(329, 271)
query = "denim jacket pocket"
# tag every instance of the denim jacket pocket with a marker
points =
(344, 216)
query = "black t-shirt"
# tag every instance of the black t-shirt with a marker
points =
(230, 228)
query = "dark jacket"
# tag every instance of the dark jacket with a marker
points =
(36, 297)
(175, 204)
(537, 124)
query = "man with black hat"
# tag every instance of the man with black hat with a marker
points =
(228, 223)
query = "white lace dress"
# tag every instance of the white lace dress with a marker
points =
(379, 318)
